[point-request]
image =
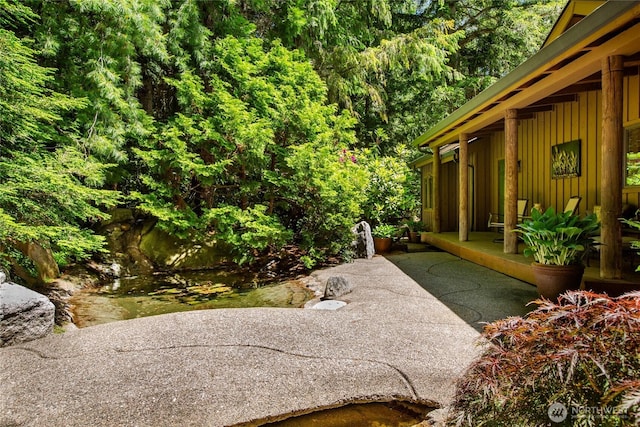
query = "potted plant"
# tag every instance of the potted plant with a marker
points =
(559, 243)
(382, 237)
(415, 227)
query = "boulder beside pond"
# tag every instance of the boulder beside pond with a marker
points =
(336, 287)
(25, 315)
(168, 252)
(363, 243)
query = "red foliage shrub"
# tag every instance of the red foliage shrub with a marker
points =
(580, 355)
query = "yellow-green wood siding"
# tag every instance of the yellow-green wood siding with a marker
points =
(580, 119)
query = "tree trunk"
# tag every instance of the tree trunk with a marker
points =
(436, 190)
(511, 182)
(42, 258)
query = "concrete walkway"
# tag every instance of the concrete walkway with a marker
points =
(233, 366)
(476, 294)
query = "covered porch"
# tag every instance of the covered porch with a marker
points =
(482, 249)
(564, 124)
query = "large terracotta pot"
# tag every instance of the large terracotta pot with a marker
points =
(382, 244)
(553, 280)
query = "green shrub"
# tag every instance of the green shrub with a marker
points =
(635, 244)
(393, 190)
(247, 231)
(324, 198)
(414, 225)
(384, 231)
(581, 353)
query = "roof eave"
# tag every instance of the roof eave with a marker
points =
(420, 160)
(582, 31)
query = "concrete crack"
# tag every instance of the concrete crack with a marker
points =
(37, 353)
(441, 263)
(400, 293)
(405, 379)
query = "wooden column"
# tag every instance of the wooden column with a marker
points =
(511, 181)
(463, 194)
(611, 177)
(436, 189)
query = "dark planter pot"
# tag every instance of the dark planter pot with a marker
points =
(553, 280)
(382, 244)
(414, 237)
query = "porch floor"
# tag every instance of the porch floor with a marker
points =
(483, 250)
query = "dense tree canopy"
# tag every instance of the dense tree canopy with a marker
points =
(49, 186)
(257, 123)
(255, 135)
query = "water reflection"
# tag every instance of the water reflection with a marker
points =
(374, 414)
(140, 296)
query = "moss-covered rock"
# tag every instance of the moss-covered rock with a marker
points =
(170, 253)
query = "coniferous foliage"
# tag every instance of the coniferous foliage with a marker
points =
(254, 122)
(235, 154)
(49, 187)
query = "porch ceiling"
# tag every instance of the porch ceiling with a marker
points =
(569, 65)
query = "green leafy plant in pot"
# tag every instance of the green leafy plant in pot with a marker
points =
(559, 243)
(382, 237)
(415, 227)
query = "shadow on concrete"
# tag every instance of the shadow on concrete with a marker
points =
(476, 294)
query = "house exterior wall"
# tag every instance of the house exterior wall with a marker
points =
(568, 121)
(631, 117)
(448, 195)
(449, 201)
(427, 191)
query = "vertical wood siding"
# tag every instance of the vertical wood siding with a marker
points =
(448, 196)
(631, 195)
(567, 121)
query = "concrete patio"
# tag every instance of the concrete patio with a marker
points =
(393, 340)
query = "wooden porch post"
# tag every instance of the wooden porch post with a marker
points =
(511, 181)
(463, 176)
(436, 189)
(611, 178)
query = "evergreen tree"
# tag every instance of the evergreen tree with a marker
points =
(49, 187)
(244, 157)
(223, 119)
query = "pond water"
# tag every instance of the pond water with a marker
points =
(148, 295)
(372, 414)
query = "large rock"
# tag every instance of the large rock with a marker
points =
(123, 232)
(336, 287)
(25, 315)
(168, 252)
(363, 244)
(138, 246)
